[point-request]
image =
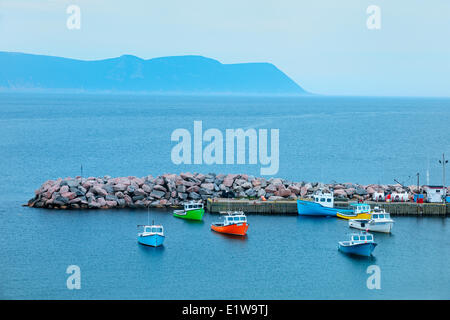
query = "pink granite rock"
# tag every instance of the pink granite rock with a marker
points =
(120, 187)
(271, 188)
(294, 189)
(303, 191)
(340, 192)
(200, 176)
(147, 188)
(283, 192)
(69, 195)
(111, 203)
(101, 201)
(127, 199)
(193, 189)
(75, 200)
(228, 182)
(350, 191)
(160, 188)
(100, 191)
(209, 186)
(370, 190)
(186, 175)
(256, 182)
(140, 192)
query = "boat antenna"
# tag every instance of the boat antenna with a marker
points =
(148, 214)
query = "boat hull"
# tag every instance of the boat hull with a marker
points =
(349, 216)
(385, 227)
(155, 240)
(361, 249)
(239, 229)
(196, 214)
(309, 208)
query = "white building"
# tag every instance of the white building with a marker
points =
(378, 196)
(399, 197)
(435, 193)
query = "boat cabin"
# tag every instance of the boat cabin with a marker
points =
(192, 206)
(234, 218)
(360, 207)
(381, 215)
(325, 199)
(361, 237)
(149, 230)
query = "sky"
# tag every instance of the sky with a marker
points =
(323, 45)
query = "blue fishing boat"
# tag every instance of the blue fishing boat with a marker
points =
(361, 244)
(152, 235)
(323, 205)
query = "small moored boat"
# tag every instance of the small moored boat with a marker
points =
(360, 211)
(361, 244)
(152, 235)
(192, 211)
(380, 221)
(233, 223)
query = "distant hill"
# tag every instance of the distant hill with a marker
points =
(179, 74)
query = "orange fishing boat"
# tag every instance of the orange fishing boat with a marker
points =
(233, 223)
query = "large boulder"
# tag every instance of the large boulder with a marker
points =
(271, 188)
(157, 194)
(69, 195)
(194, 195)
(294, 189)
(208, 186)
(100, 191)
(283, 192)
(228, 182)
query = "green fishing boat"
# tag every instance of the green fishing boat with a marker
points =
(192, 211)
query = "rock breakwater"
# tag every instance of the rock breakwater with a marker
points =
(171, 190)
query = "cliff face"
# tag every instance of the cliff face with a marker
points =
(181, 74)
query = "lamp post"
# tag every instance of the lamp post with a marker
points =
(443, 162)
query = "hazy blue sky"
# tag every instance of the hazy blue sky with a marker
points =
(324, 45)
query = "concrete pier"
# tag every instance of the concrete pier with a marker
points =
(290, 207)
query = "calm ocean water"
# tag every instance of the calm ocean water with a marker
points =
(364, 140)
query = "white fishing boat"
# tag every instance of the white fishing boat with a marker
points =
(380, 221)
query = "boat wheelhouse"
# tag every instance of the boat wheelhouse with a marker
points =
(192, 210)
(152, 235)
(361, 244)
(233, 223)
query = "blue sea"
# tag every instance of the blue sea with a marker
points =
(344, 139)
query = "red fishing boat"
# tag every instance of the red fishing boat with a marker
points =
(233, 223)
